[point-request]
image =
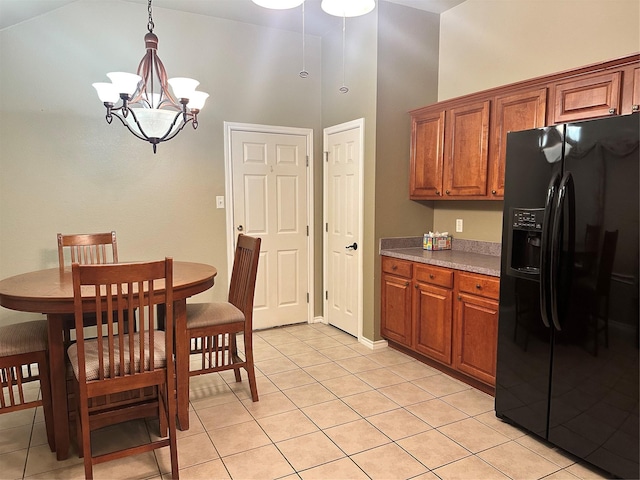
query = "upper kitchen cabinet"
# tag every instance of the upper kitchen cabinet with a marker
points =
(466, 142)
(588, 96)
(511, 113)
(458, 146)
(427, 154)
(449, 151)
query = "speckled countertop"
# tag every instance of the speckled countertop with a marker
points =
(467, 255)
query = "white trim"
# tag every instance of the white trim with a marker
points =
(229, 127)
(353, 124)
(373, 345)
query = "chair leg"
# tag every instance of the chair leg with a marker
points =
(233, 354)
(251, 373)
(86, 440)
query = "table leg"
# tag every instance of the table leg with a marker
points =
(182, 362)
(58, 374)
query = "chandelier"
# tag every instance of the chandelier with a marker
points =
(143, 102)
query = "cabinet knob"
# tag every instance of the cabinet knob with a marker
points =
(431, 275)
(437, 192)
(459, 297)
(635, 108)
(407, 284)
(478, 286)
(447, 192)
(394, 267)
(493, 192)
(612, 110)
(415, 286)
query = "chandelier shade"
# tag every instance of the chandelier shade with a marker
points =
(347, 8)
(278, 4)
(143, 102)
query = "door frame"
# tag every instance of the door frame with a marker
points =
(229, 128)
(353, 124)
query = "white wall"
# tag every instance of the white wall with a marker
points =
(488, 43)
(63, 169)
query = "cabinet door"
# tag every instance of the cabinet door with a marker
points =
(520, 111)
(433, 321)
(466, 150)
(589, 96)
(427, 142)
(476, 337)
(395, 321)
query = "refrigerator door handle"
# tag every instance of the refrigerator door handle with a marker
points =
(545, 251)
(566, 193)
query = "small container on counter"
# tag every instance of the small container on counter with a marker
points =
(436, 241)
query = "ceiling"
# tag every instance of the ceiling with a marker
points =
(316, 22)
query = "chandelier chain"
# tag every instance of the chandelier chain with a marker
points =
(150, 25)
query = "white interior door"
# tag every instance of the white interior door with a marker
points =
(270, 199)
(343, 147)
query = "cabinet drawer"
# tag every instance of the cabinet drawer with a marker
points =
(394, 266)
(434, 275)
(476, 284)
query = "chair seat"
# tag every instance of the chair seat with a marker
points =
(25, 337)
(91, 355)
(214, 313)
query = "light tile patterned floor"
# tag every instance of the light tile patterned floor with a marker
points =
(329, 408)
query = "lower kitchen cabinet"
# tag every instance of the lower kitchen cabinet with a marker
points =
(476, 326)
(447, 317)
(396, 301)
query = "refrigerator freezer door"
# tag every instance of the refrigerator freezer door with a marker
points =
(594, 384)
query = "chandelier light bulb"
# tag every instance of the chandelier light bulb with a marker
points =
(183, 87)
(106, 92)
(347, 8)
(125, 82)
(278, 4)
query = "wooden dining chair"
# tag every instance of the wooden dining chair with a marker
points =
(110, 363)
(24, 359)
(212, 327)
(87, 248)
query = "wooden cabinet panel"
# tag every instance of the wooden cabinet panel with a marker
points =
(394, 266)
(635, 96)
(433, 317)
(427, 143)
(476, 337)
(434, 275)
(466, 150)
(396, 309)
(589, 96)
(481, 285)
(512, 113)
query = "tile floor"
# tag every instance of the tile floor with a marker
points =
(330, 408)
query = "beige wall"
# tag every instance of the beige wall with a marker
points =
(63, 169)
(488, 43)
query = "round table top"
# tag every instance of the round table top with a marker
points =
(51, 290)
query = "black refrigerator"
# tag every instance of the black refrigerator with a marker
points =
(568, 364)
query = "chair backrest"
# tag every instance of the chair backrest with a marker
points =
(607, 256)
(88, 248)
(113, 292)
(243, 275)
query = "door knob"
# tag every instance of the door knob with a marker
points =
(240, 228)
(353, 246)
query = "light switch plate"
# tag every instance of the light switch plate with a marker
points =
(458, 225)
(219, 201)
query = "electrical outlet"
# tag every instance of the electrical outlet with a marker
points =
(458, 225)
(219, 202)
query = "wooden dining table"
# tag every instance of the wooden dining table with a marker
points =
(50, 292)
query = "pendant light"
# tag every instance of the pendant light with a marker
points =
(147, 108)
(278, 4)
(347, 8)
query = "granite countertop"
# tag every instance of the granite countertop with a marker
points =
(467, 255)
